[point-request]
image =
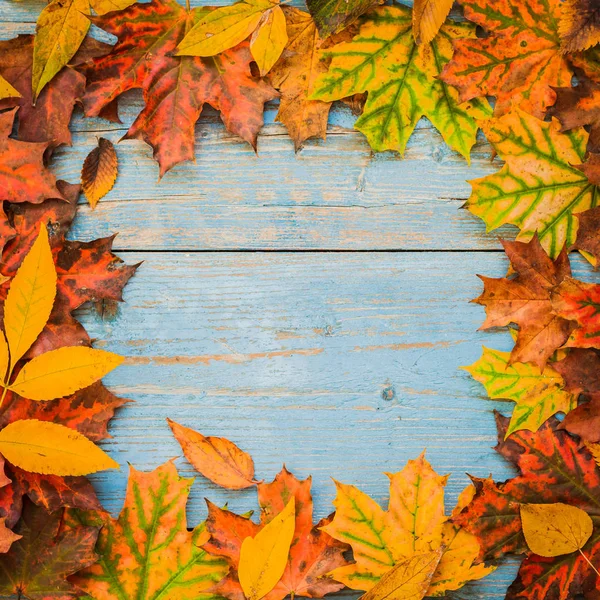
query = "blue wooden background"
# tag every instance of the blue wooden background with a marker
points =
(311, 307)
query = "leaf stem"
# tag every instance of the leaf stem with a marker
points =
(3, 395)
(580, 552)
(187, 5)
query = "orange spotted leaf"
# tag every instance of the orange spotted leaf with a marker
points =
(99, 171)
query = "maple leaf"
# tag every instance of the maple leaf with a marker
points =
(331, 16)
(525, 299)
(517, 62)
(552, 468)
(540, 189)
(579, 26)
(579, 302)
(414, 523)
(41, 561)
(148, 550)
(537, 394)
(313, 553)
(46, 120)
(295, 74)
(175, 88)
(578, 106)
(23, 176)
(401, 80)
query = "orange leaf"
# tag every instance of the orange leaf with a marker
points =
(99, 171)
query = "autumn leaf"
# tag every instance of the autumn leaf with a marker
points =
(554, 529)
(579, 25)
(263, 557)
(99, 171)
(518, 60)
(269, 39)
(23, 176)
(60, 30)
(552, 468)
(295, 74)
(313, 553)
(51, 449)
(537, 394)
(401, 80)
(7, 90)
(579, 302)
(413, 524)
(331, 16)
(148, 550)
(428, 17)
(48, 119)
(7, 537)
(38, 565)
(216, 458)
(407, 580)
(578, 106)
(540, 188)
(148, 35)
(524, 298)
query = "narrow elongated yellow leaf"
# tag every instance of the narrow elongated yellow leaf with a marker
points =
(7, 90)
(4, 357)
(269, 39)
(408, 580)
(264, 557)
(223, 28)
(101, 7)
(30, 298)
(555, 529)
(428, 17)
(62, 372)
(48, 448)
(61, 27)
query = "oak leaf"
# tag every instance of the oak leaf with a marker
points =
(216, 458)
(525, 298)
(413, 524)
(540, 188)
(402, 82)
(331, 16)
(23, 176)
(537, 394)
(175, 88)
(554, 529)
(579, 26)
(313, 552)
(38, 565)
(148, 550)
(552, 468)
(518, 60)
(428, 17)
(99, 171)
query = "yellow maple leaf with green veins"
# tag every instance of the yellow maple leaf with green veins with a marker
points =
(539, 189)
(538, 394)
(402, 81)
(413, 524)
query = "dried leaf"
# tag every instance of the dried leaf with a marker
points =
(555, 529)
(216, 458)
(99, 171)
(49, 448)
(7, 537)
(331, 16)
(428, 17)
(579, 26)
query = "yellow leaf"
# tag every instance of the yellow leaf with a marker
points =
(4, 357)
(101, 7)
(428, 17)
(408, 580)
(264, 557)
(61, 27)
(269, 39)
(48, 448)
(99, 171)
(216, 458)
(7, 90)
(555, 529)
(30, 298)
(223, 28)
(62, 372)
